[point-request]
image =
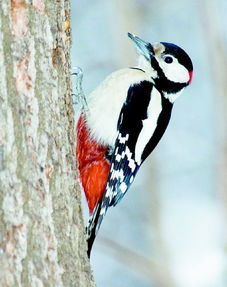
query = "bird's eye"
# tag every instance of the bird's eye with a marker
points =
(168, 59)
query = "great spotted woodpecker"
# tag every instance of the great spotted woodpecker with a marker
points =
(126, 117)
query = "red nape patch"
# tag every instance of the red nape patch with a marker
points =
(93, 165)
(190, 77)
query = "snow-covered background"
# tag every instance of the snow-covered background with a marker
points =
(169, 230)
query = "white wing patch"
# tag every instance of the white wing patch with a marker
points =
(122, 139)
(149, 124)
(123, 187)
(131, 162)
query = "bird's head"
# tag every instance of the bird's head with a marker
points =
(168, 65)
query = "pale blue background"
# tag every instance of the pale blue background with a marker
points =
(168, 230)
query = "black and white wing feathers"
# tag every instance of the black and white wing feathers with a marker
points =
(123, 163)
(142, 122)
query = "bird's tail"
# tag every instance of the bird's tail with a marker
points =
(95, 221)
(93, 226)
(96, 218)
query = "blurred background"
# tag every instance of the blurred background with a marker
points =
(170, 228)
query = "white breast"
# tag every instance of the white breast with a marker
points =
(106, 101)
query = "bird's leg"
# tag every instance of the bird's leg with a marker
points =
(78, 97)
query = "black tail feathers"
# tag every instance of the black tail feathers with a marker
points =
(93, 227)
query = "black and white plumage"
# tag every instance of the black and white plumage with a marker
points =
(129, 113)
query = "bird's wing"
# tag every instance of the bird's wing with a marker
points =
(124, 164)
(127, 154)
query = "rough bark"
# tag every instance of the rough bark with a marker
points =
(41, 228)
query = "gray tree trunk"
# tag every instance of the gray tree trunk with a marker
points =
(42, 240)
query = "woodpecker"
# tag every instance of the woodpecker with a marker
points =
(126, 117)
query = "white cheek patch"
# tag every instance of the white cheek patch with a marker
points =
(174, 71)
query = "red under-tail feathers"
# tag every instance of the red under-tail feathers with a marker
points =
(93, 165)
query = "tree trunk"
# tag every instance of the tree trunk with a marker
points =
(42, 240)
